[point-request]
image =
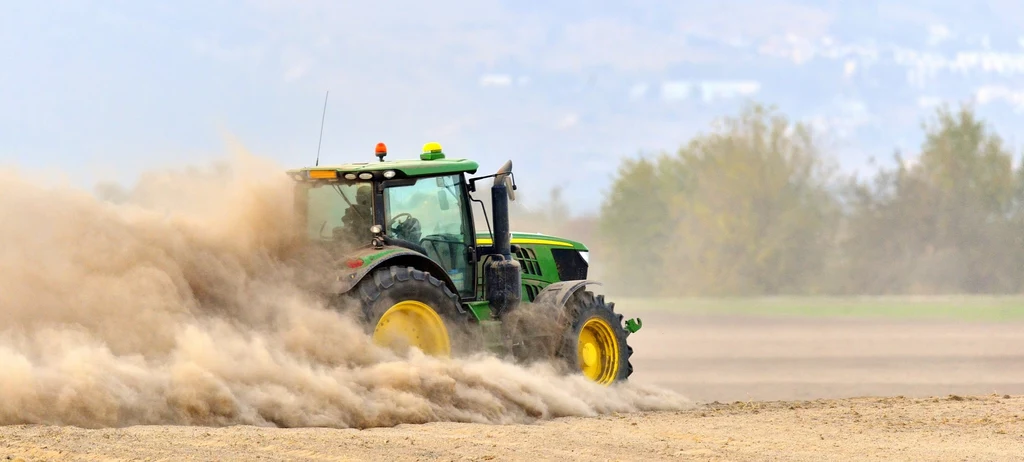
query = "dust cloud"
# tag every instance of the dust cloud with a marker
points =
(182, 301)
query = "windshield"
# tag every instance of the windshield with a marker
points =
(340, 212)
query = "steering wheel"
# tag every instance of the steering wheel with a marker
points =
(394, 220)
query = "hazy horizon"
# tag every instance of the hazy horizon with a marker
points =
(105, 91)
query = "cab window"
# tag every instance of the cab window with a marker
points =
(432, 213)
(339, 212)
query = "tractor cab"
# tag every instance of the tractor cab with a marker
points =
(419, 205)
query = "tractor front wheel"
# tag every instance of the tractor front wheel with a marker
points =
(594, 342)
(405, 307)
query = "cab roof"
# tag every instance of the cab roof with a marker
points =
(409, 167)
(431, 162)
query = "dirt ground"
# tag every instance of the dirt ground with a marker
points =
(745, 358)
(952, 428)
(790, 388)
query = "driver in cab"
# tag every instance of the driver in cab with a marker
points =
(359, 217)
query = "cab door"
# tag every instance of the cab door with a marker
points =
(433, 212)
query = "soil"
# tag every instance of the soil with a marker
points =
(779, 389)
(747, 358)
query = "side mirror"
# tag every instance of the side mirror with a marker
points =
(511, 188)
(442, 199)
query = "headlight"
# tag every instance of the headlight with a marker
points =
(586, 256)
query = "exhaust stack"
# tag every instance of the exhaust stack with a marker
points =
(503, 276)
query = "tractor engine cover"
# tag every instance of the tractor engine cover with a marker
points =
(504, 285)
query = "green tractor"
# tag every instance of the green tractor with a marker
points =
(411, 261)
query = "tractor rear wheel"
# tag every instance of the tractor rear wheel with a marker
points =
(405, 307)
(594, 341)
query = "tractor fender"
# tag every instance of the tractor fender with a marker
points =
(374, 258)
(558, 293)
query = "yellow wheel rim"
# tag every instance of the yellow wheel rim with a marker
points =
(410, 323)
(598, 351)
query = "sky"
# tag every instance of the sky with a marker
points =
(105, 90)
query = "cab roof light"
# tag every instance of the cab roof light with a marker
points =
(432, 151)
(380, 151)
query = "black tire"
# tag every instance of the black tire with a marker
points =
(384, 287)
(580, 308)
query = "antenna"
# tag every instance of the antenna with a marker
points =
(321, 129)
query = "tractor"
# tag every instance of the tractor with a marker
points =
(409, 259)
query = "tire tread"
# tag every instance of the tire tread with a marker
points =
(584, 301)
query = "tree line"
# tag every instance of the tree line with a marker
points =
(756, 206)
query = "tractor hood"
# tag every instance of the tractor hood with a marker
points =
(534, 239)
